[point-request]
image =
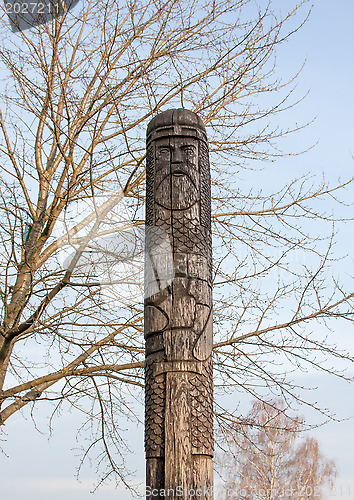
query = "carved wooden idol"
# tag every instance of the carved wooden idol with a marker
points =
(178, 311)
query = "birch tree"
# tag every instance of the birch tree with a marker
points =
(269, 458)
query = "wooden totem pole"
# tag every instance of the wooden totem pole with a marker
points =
(178, 313)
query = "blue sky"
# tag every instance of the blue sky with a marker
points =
(38, 468)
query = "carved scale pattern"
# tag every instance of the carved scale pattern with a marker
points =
(189, 234)
(155, 396)
(202, 409)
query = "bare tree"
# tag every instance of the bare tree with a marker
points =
(78, 93)
(268, 459)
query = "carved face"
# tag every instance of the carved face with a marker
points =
(176, 172)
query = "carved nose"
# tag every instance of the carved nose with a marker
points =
(176, 156)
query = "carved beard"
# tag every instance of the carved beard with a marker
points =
(181, 188)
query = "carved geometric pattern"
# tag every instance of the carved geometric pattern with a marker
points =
(150, 167)
(205, 188)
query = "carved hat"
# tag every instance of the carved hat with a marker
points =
(176, 122)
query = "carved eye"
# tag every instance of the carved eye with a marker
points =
(164, 151)
(189, 150)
